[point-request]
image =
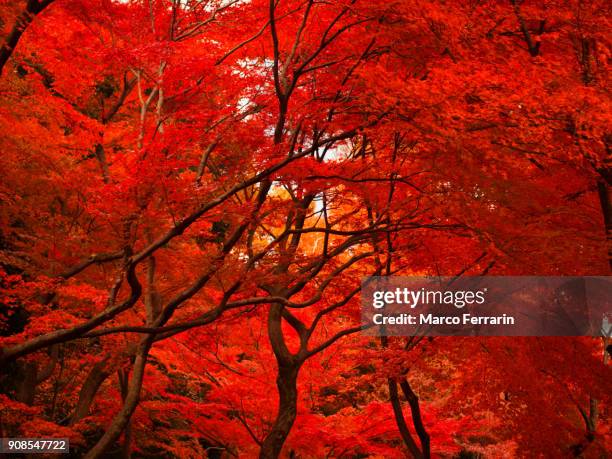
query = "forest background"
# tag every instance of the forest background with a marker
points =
(192, 191)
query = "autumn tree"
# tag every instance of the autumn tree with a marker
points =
(193, 191)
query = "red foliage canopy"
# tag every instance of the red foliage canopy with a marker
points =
(192, 190)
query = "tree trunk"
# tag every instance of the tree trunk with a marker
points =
(124, 377)
(90, 388)
(605, 201)
(27, 387)
(286, 382)
(417, 420)
(122, 419)
(401, 422)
